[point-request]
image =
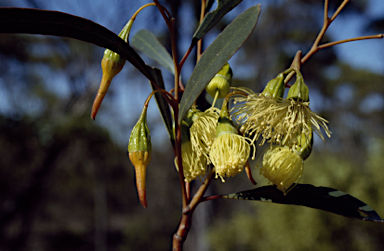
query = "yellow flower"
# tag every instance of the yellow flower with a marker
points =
(278, 121)
(259, 113)
(229, 151)
(203, 131)
(298, 119)
(194, 165)
(228, 154)
(282, 166)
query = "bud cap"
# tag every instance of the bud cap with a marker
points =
(221, 82)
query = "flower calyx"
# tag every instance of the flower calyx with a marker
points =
(299, 90)
(275, 87)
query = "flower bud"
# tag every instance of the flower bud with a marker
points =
(275, 88)
(221, 82)
(299, 90)
(111, 64)
(139, 149)
(282, 166)
(305, 144)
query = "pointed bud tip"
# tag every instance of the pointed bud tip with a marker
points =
(93, 114)
(140, 172)
(143, 202)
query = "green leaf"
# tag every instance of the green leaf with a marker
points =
(213, 17)
(217, 54)
(147, 42)
(323, 198)
(34, 21)
(162, 103)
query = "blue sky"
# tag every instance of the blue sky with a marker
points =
(367, 54)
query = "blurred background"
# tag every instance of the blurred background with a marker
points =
(65, 180)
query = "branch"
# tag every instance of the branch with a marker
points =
(350, 40)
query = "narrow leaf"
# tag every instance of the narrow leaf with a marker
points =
(147, 42)
(34, 21)
(213, 17)
(162, 103)
(323, 198)
(217, 54)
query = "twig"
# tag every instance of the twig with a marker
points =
(350, 40)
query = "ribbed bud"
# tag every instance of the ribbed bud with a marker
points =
(299, 90)
(275, 87)
(221, 82)
(111, 64)
(139, 149)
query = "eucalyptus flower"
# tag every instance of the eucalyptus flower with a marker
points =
(203, 131)
(259, 114)
(282, 166)
(194, 163)
(230, 151)
(278, 120)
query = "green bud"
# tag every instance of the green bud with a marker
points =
(305, 144)
(113, 56)
(111, 64)
(221, 82)
(140, 139)
(299, 90)
(139, 153)
(275, 88)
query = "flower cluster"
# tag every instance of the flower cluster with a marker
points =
(210, 137)
(286, 124)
